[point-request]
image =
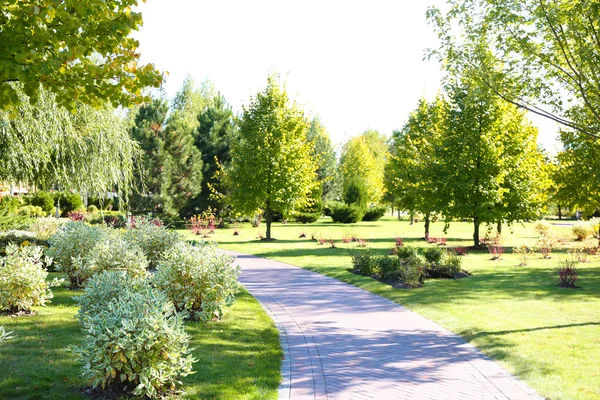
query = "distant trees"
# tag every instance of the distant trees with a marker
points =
(271, 164)
(324, 155)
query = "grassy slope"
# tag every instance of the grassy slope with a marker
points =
(546, 335)
(238, 357)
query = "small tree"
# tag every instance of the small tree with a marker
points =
(271, 165)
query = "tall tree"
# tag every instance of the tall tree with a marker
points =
(272, 168)
(324, 155)
(217, 130)
(414, 170)
(358, 162)
(45, 144)
(79, 50)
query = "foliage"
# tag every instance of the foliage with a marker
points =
(364, 263)
(115, 219)
(23, 279)
(171, 168)
(43, 228)
(542, 228)
(216, 131)
(441, 264)
(70, 245)
(410, 271)
(134, 339)
(9, 221)
(388, 267)
(581, 230)
(355, 192)
(69, 201)
(434, 255)
(153, 238)
(19, 239)
(308, 218)
(324, 155)
(81, 51)
(5, 335)
(524, 252)
(198, 279)
(346, 214)
(44, 200)
(31, 211)
(567, 273)
(374, 213)
(114, 253)
(271, 167)
(362, 161)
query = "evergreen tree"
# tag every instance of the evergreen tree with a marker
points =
(324, 156)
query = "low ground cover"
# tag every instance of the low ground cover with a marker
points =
(238, 357)
(545, 334)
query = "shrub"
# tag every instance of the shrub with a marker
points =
(152, 238)
(69, 202)
(115, 219)
(388, 267)
(447, 268)
(11, 221)
(356, 193)
(43, 228)
(11, 204)
(567, 274)
(542, 228)
(581, 231)
(308, 218)
(524, 254)
(70, 245)
(43, 200)
(410, 271)
(374, 213)
(92, 208)
(134, 340)
(198, 279)
(434, 255)
(346, 214)
(364, 263)
(23, 279)
(31, 211)
(114, 253)
(19, 239)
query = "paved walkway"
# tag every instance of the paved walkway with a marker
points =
(341, 342)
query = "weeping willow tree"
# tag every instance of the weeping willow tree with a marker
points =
(44, 144)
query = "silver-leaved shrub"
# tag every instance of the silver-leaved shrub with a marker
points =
(198, 279)
(23, 279)
(134, 339)
(69, 247)
(153, 239)
(115, 253)
(5, 335)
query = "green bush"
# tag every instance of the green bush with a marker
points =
(446, 267)
(374, 213)
(92, 208)
(134, 340)
(153, 239)
(18, 239)
(355, 193)
(43, 200)
(198, 279)
(115, 219)
(410, 271)
(582, 230)
(23, 279)
(43, 228)
(69, 247)
(364, 263)
(11, 204)
(434, 255)
(114, 253)
(346, 214)
(388, 267)
(101, 203)
(31, 211)
(69, 202)
(12, 221)
(308, 218)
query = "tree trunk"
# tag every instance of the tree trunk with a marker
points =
(268, 220)
(559, 212)
(412, 217)
(427, 226)
(476, 232)
(399, 216)
(499, 228)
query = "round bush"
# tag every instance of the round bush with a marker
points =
(114, 253)
(43, 228)
(308, 218)
(23, 279)
(346, 214)
(152, 238)
(43, 200)
(374, 213)
(134, 340)
(69, 202)
(198, 279)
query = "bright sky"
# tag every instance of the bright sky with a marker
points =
(358, 65)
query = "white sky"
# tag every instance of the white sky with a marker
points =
(358, 65)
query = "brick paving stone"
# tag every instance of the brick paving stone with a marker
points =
(342, 342)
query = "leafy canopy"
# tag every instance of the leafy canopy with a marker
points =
(80, 50)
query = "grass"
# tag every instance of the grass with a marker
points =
(546, 335)
(238, 357)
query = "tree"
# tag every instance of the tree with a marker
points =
(46, 145)
(172, 165)
(358, 161)
(271, 165)
(216, 131)
(324, 156)
(414, 173)
(79, 50)
(549, 49)
(492, 168)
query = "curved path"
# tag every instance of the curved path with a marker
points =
(342, 342)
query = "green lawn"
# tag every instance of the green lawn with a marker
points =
(546, 335)
(238, 357)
